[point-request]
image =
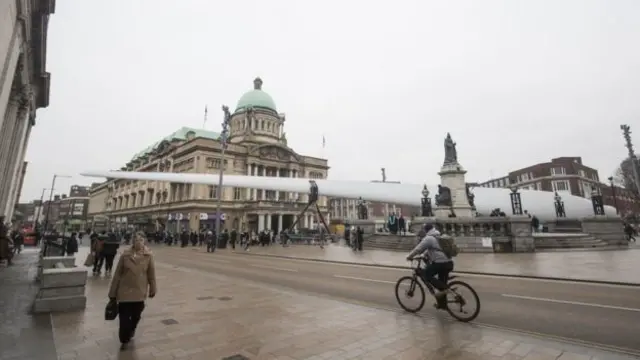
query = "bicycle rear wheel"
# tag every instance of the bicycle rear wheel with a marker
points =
(409, 286)
(459, 302)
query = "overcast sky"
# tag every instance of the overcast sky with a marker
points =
(515, 82)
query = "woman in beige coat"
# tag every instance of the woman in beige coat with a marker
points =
(133, 279)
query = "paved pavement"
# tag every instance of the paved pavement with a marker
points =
(22, 335)
(594, 313)
(620, 266)
(200, 313)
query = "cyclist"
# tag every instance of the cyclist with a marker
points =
(439, 263)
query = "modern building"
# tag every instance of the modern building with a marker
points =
(257, 146)
(566, 174)
(51, 212)
(72, 209)
(24, 87)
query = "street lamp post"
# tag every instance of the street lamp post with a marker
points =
(223, 143)
(53, 185)
(596, 200)
(362, 209)
(426, 203)
(516, 201)
(613, 194)
(39, 212)
(559, 205)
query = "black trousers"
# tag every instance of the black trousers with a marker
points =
(108, 261)
(442, 271)
(97, 264)
(129, 314)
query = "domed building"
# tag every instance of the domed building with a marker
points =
(257, 146)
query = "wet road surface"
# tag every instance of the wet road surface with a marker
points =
(594, 314)
(618, 265)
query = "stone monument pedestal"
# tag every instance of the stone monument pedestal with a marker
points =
(452, 175)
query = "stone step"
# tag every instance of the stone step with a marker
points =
(568, 229)
(69, 291)
(586, 241)
(60, 304)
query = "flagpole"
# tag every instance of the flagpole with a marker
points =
(204, 122)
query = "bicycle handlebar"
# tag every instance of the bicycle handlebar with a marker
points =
(420, 258)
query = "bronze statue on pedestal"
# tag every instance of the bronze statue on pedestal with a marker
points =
(450, 152)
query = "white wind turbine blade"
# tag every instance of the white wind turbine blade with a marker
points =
(539, 203)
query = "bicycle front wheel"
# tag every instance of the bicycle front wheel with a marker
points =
(461, 299)
(408, 288)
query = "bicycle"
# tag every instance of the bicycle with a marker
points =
(452, 287)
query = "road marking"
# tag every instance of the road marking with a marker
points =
(364, 279)
(513, 277)
(407, 270)
(274, 268)
(571, 302)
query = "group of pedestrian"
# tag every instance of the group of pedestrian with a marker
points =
(104, 248)
(631, 232)
(354, 237)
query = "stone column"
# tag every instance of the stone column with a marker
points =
(260, 222)
(254, 172)
(264, 192)
(267, 222)
(279, 223)
(305, 222)
(6, 134)
(294, 174)
(277, 192)
(291, 174)
(25, 132)
(9, 158)
(248, 193)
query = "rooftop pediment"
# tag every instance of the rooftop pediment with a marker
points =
(275, 152)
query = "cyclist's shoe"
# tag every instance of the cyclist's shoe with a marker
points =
(441, 300)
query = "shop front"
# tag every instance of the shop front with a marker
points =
(120, 223)
(177, 222)
(143, 223)
(208, 220)
(100, 223)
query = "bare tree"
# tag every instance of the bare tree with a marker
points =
(624, 177)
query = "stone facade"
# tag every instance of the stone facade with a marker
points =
(346, 210)
(24, 87)
(257, 146)
(607, 228)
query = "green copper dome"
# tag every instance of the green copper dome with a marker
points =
(256, 98)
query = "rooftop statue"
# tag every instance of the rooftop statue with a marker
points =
(250, 117)
(227, 114)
